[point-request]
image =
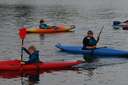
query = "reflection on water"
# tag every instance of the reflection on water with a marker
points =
(90, 72)
(42, 37)
(33, 79)
(27, 77)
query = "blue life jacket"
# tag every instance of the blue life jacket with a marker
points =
(92, 42)
(43, 26)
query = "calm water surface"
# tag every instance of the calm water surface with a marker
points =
(86, 15)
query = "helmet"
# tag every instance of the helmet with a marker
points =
(42, 20)
(90, 32)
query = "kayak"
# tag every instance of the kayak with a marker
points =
(99, 52)
(52, 30)
(15, 65)
(119, 24)
(125, 27)
(116, 24)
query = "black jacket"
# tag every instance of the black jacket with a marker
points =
(87, 41)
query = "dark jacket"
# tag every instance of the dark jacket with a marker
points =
(87, 41)
(33, 58)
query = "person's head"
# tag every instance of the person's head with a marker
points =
(42, 21)
(90, 33)
(31, 49)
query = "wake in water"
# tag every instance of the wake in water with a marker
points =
(102, 62)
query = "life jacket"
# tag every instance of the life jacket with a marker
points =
(43, 26)
(89, 43)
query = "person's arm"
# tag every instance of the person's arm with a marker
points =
(24, 49)
(95, 41)
(85, 41)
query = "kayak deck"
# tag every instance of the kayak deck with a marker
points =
(15, 65)
(51, 30)
(102, 52)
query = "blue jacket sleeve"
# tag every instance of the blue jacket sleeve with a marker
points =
(34, 58)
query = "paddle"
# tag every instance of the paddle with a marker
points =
(98, 37)
(22, 35)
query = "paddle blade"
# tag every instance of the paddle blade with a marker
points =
(22, 33)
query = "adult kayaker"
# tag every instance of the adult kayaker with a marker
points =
(43, 25)
(89, 42)
(33, 55)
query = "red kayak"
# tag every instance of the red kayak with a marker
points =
(15, 65)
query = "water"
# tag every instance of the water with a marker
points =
(85, 14)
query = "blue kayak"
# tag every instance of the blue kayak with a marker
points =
(117, 24)
(116, 27)
(101, 51)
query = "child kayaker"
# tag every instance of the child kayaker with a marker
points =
(33, 55)
(89, 42)
(43, 25)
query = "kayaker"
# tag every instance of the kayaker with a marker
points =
(89, 42)
(33, 55)
(43, 25)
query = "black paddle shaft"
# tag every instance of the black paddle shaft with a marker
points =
(98, 38)
(22, 43)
